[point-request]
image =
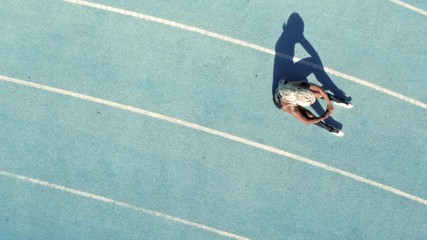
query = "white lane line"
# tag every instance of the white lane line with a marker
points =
(410, 7)
(118, 203)
(216, 133)
(245, 44)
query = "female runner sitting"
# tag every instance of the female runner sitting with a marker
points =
(292, 97)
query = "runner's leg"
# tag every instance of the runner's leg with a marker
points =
(324, 126)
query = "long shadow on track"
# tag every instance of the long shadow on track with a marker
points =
(285, 67)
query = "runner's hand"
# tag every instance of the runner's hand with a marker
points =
(327, 114)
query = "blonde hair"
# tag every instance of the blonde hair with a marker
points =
(295, 96)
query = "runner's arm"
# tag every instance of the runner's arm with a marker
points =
(315, 88)
(305, 116)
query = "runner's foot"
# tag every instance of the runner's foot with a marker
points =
(343, 104)
(337, 132)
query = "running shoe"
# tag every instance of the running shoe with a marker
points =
(337, 132)
(343, 104)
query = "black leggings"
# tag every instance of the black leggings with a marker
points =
(335, 99)
(325, 126)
